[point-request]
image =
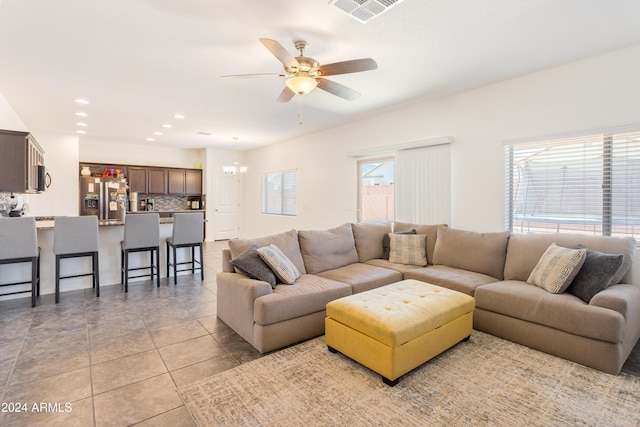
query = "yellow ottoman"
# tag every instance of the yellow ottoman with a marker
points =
(396, 328)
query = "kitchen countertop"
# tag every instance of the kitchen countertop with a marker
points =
(45, 224)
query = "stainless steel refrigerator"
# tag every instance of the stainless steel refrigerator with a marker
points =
(104, 197)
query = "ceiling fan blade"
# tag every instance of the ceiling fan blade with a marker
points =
(287, 59)
(345, 67)
(338, 89)
(243, 76)
(285, 95)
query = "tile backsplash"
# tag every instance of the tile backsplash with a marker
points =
(169, 203)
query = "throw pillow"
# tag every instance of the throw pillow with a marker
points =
(251, 265)
(556, 268)
(279, 263)
(595, 275)
(408, 249)
(386, 245)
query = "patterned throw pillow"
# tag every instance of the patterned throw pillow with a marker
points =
(251, 265)
(279, 263)
(595, 275)
(557, 268)
(386, 242)
(408, 249)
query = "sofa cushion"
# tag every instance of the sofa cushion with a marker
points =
(556, 268)
(595, 275)
(564, 312)
(408, 249)
(524, 251)
(252, 265)
(386, 241)
(450, 277)
(327, 249)
(309, 295)
(287, 242)
(402, 268)
(363, 277)
(279, 263)
(479, 252)
(368, 238)
(431, 231)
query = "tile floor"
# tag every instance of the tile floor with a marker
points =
(116, 360)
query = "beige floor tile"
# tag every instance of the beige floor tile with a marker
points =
(109, 348)
(213, 324)
(178, 417)
(136, 402)
(187, 353)
(67, 387)
(199, 371)
(184, 331)
(127, 370)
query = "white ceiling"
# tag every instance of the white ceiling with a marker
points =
(139, 62)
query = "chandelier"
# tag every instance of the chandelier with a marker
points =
(235, 169)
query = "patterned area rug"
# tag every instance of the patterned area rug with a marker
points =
(486, 381)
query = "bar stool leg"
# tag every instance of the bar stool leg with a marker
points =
(126, 271)
(157, 251)
(167, 259)
(201, 263)
(57, 278)
(175, 265)
(96, 273)
(193, 260)
(34, 278)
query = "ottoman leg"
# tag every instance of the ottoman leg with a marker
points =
(467, 338)
(331, 349)
(389, 382)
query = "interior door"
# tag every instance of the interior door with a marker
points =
(226, 207)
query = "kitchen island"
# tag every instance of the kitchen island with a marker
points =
(110, 234)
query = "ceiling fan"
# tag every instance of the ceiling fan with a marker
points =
(304, 73)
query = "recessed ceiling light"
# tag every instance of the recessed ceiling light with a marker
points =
(150, 139)
(82, 101)
(81, 114)
(81, 124)
(178, 116)
(81, 131)
(166, 126)
(157, 133)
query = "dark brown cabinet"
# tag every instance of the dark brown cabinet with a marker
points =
(176, 181)
(193, 182)
(20, 158)
(137, 178)
(157, 181)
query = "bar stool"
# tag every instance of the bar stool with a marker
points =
(141, 234)
(76, 237)
(188, 232)
(20, 245)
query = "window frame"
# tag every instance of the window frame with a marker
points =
(287, 205)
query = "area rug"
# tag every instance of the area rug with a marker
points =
(485, 381)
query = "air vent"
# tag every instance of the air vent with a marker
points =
(364, 10)
(204, 133)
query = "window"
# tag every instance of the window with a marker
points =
(587, 184)
(279, 193)
(376, 201)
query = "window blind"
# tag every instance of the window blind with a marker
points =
(279, 192)
(586, 184)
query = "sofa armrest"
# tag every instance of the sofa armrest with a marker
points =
(622, 298)
(236, 295)
(226, 261)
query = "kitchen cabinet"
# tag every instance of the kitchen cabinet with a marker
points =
(176, 181)
(20, 158)
(157, 180)
(137, 178)
(193, 182)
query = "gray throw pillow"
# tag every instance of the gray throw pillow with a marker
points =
(595, 275)
(251, 265)
(386, 242)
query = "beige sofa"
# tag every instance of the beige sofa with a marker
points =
(491, 267)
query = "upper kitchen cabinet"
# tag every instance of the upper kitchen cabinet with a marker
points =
(193, 182)
(185, 182)
(157, 181)
(21, 162)
(138, 179)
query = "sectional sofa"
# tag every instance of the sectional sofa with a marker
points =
(494, 268)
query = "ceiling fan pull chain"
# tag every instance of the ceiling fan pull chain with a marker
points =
(300, 110)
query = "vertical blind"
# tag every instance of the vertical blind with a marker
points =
(586, 184)
(279, 192)
(423, 185)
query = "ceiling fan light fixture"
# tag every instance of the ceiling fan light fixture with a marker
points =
(301, 84)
